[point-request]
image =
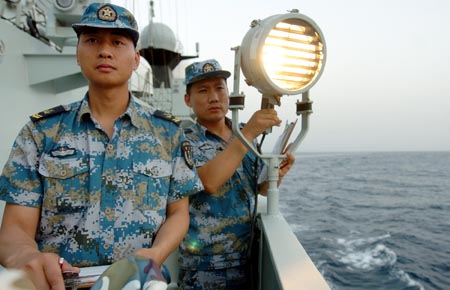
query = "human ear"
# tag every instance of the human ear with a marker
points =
(187, 100)
(137, 60)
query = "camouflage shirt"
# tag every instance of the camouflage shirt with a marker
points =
(220, 223)
(100, 198)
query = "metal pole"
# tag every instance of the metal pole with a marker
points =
(235, 106)
(305, 123)
(237, 70)
(272, 192)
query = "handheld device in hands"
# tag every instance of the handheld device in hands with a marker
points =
(85, 280)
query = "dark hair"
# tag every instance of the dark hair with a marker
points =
(188, 89)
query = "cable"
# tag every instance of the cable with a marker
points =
(253, 263)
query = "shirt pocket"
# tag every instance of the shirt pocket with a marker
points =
(152, 180)
(66, 183)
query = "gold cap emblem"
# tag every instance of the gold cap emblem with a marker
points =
(107, 13)
(208, 68)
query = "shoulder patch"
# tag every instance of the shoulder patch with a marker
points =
(47, 113)
(167, 116)
(186, 148)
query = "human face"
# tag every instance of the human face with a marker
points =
(209, 100)
(107, 57)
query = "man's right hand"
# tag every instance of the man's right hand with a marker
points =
(44, 270)
(260, 122)
(18, 249)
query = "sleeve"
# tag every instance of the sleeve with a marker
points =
(20, 182)
(184, 180)
(202, 150)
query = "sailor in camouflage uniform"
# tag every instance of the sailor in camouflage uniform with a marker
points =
(100, 179)
(214, 253)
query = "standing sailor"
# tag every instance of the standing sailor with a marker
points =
(100, 179)
(214, 253)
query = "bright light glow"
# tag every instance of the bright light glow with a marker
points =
(292, 55)
(283, 54)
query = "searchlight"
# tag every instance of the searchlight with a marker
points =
(281, 55)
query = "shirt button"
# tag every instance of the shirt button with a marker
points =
(108, 210)
(110, 147)
(106, 246)
(63, 173)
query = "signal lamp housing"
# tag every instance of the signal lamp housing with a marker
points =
(283, 54)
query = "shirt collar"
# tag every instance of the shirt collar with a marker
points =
(205, 130)
(131, 111)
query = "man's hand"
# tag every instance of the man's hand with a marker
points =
(260, 122)
(285, 166)
(152, 254)
(44, 270)
(18, 249)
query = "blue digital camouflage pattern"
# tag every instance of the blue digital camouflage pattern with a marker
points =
(101, 199)
(220, 223)
(202, 70)
(107, 15)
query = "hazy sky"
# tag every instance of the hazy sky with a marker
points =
(386, 82)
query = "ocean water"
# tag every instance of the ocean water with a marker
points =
(373, 220)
